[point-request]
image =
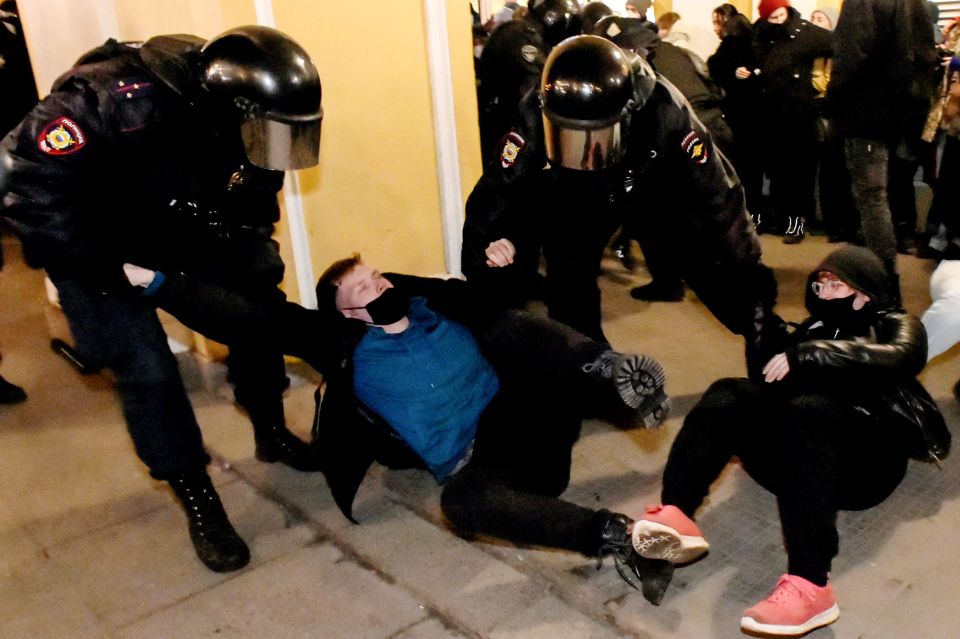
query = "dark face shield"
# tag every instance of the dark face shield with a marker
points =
(583, 149)
(282, 145)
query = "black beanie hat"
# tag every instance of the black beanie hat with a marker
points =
(860, 268)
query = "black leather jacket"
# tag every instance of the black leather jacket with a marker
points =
(876, 372)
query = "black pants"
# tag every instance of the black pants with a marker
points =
(577, 220)
(522, 452)
(252, 266)
(791, 165)
(815, 453)
(839, 213)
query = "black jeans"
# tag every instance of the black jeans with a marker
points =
(576, 222)
(868, 162)
(815, 453)
(522, 451)
(123, 333)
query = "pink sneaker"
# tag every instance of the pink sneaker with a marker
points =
(795, 607)
(664, 532)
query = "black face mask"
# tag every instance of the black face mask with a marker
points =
(839, 313)
(389, 308)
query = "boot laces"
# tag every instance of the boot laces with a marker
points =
(603, 365)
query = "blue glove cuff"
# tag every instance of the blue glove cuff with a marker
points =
(158, 280)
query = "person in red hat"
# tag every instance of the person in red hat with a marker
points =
(786, 47)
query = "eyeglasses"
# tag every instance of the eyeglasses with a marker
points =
(831, 286)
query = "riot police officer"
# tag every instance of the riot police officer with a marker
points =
(511, 63)
(619, 142)
(171, 153)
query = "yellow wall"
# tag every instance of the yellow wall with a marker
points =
(376, 189)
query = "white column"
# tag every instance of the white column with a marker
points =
(445, 130)
(293, 201)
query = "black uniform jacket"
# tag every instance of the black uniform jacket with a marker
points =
(115, 166)
(881, 81)
(349, 436)
(671, 170)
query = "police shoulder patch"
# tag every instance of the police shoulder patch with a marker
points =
(61, 137)
(510, 148)
(694, 147)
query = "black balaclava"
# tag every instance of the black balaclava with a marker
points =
(862, 270)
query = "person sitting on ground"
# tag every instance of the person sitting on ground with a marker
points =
(422, 371)
(831, 427)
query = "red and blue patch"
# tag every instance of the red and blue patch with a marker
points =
(63, 136)
(694, 147)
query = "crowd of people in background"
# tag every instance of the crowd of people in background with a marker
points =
(788, 137)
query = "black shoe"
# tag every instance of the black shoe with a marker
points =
(906, 245)
(657, 292)
(11, 393)
(638, 380)
(654, 575)
(217, 544)
(277, 444)
(795, 233)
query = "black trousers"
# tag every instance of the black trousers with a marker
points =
(791, 165)
(815, 453)
(522, 451)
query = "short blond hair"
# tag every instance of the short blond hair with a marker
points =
(330, 280)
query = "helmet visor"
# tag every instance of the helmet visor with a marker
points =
(582, 149)
(282, 146)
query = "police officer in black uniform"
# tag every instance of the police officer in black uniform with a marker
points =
(511, 63)
(689, 75)
(620, 142)
(171, 153)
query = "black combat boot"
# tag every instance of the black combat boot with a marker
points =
(638, 381)
(217, 544)
(654, 575)
(277, 444)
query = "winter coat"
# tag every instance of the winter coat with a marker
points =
(874, 368)
(883, 69)
(785, 54)
(741, 97)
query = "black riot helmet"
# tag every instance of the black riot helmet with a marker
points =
(272, 81)
(587, 88)
(560, 18)
(592, 13)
